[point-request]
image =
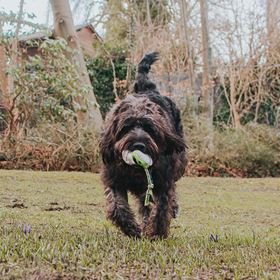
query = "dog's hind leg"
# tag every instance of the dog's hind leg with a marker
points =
(175, 206)
(119, 212)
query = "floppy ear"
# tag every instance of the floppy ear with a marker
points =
(174, 143)
(107, 143)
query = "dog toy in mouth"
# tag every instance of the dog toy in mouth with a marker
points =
(145, 161)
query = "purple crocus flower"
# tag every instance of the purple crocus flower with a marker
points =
(26, 229)
(213, 237)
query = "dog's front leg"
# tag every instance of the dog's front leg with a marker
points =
(144, 212)
(119, 212)
(159, 221)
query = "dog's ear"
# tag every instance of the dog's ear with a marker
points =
(174, 143)
(107, 144)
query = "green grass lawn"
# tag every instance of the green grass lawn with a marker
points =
(70, 238)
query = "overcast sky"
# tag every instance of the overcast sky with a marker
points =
(40, 9)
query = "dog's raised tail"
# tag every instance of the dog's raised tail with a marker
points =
(143, 83)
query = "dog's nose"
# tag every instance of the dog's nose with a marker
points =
(139, 146)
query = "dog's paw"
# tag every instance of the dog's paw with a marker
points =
(134, 233)
(175, 211)
(156, 237)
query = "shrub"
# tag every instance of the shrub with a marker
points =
(39, 128)
(54, 147)
(47, 83)
(253, 151)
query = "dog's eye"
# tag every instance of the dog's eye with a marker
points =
(123, 131)
(149, 129)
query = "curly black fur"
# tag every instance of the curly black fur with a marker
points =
(150, 122)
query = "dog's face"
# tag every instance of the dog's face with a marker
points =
(138, 124)
(138, 134)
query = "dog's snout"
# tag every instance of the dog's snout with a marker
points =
(139, 146)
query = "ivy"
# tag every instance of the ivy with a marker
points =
(102, 78)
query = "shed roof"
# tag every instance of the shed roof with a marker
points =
(50, 34)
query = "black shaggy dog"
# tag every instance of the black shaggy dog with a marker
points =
(151, 123)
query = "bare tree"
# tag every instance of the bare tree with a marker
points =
(14, 48)
(247, 64)
(207, 88)
(88, 112)
(9, 97)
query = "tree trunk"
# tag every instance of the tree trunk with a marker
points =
(88, 114)
(272, 21)
(207, 88)
(189, 54)
(3, 76)
(206, 53)
(149, 19)
(233, 106)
